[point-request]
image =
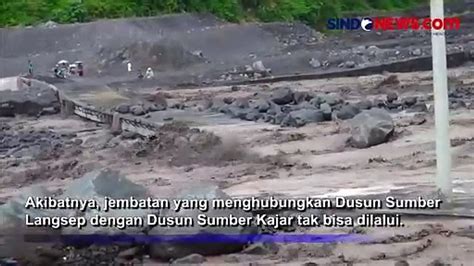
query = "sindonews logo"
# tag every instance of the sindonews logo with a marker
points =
(393, 23)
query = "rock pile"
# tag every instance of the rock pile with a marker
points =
(461, 97)
(154, 102)
(290, 108)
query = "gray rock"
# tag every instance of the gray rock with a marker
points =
(123, 108)
(347, 111)
(409, 101)
(261, 105)
(305, 116)
(102, 183)
(438, 262)
(300, 97)
(365, 104)
(371, 127)
(418, 108)
(331, 99)
(50, 24)
(290, 121)
(151, 107)
(349, 64)
(416, 52)
(401, 263)
(274, 109)
(236, 112)
(278, 118)
(392, 96)
(173, 250)
(267, 118)
(228, 100)
(316, 101)
(241, 103)
(253, 115)
(327, 111)
(373, 50)
(190, 259)
(137, 110)
(282, 95)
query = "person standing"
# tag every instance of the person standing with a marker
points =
(30, 68)
(149, 73)
(80, 69)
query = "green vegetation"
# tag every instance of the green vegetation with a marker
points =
(312, 12)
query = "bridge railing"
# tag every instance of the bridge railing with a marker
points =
(116, 121)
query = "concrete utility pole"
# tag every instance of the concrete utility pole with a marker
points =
(441, 104)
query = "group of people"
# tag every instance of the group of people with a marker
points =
(149, 74)
(62, 69)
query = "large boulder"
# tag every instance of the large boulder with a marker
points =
(282, 95)
(174, 249)
(241, 103)
(347, 111)
(98, 184)
(123, 108)
(371, 127)
(327, 111)
(365, 104)
(274, 109)
(331, 99)
(409, 101)
(261, 105)
(137, 110)
(301, 96)
(392, 96)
